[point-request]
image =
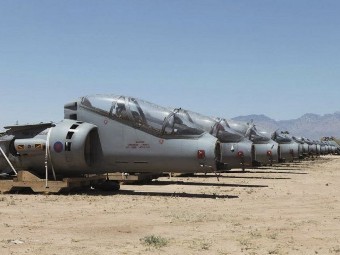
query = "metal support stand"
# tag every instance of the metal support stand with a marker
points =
(8, 161)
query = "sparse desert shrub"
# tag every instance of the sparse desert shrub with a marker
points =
(154, 241)
(273, 251)
(205, 245)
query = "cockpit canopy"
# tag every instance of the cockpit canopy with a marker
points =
(144, 115)
(217, 127)
(298, 139)
(250, 131)
(282, 137)
(257, 135)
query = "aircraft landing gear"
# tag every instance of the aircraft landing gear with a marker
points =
(108, 185)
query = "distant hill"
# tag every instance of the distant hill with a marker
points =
(310, 125)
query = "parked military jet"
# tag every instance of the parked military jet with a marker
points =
(312, 147)
(265, 150)
(332, 146)
(303, 146)
(236, 150)
(105, 133)
(323, 150)
(289, 149)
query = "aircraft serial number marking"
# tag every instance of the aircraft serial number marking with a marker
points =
(138, 146)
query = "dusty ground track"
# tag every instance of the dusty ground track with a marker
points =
(290, 209)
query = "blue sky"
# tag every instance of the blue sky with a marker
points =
(220, 58)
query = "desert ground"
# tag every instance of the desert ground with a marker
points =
(288, 209)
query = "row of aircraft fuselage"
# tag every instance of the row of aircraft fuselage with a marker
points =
(108, 133)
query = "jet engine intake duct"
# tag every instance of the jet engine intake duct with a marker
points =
(218, 157)
(74, 147)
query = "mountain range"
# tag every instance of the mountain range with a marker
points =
(309, 125)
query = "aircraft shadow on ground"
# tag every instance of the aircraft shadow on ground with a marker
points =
(97, 192)
(89, 192)
(239, 177)
(257, 178)
(206, 184)
(288, 169)
(278, 169)
(147, 193)
(272, 172)
(174, 194)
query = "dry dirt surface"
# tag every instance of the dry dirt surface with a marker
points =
(286, 209)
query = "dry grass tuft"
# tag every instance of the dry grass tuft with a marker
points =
(154, 241)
